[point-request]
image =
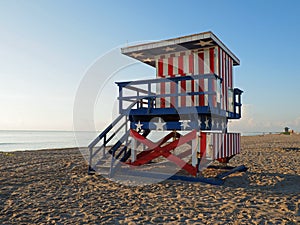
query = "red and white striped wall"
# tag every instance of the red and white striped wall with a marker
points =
(207, 61)
(219, 145)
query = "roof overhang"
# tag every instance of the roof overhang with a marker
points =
(146, 52)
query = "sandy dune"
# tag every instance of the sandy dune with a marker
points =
(52, 187)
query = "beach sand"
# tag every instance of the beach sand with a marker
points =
(52, 187)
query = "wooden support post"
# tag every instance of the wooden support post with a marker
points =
(209, 146)
(133, 149)
(194, 151)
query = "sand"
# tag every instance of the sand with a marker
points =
(52, 187)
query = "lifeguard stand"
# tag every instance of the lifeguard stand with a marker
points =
(192, 97)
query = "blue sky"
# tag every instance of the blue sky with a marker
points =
(47, 46)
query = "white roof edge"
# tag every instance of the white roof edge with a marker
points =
(221, 44)
(179, 40)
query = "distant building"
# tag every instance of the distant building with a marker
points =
(286, 129)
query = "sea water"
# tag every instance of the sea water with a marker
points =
(11, 140)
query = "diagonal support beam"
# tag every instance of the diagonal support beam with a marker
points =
(155, 149)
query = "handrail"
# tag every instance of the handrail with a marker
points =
(128, 98)
(107, 129)
(169, 79)
(138, 90)
(152, 97)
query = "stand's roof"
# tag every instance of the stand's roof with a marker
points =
(147, 52)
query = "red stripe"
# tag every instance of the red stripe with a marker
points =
(170, 66)
(212, 60)
(160, 67)
(162, 85)
(202, 143)
(180, 65)
(201, 81)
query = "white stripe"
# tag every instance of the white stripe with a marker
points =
(196, 63)
(228, 144)
(206, 89)
(168, 91)
(175, 68)
(235, 143)
(158, 100)
(175, 65)
(217, 145)
(206, 61)
(196, 88)
(165, 66)
(222, 143)
(232, 142)
(179, 91)
(224, 146)
(196, 82)
(186, 64)
(188, 89)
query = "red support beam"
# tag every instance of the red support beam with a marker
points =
(156, 150)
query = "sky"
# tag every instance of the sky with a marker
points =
(47, 47)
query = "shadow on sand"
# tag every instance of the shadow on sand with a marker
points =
(271, 182)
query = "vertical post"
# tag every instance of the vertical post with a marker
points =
(209, 146)
(149, 99)
(240, 110)
(90, 169)
(133, 150)
(176, 97)
(195, 150)
(234, 102)
(104, 146)
(210, 90)
(139, 105)
(120, 99)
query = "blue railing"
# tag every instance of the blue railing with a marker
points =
(145, 94)
(148, 95)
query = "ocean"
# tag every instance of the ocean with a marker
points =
(11, 140)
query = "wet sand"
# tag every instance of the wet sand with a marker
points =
(52, 187)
